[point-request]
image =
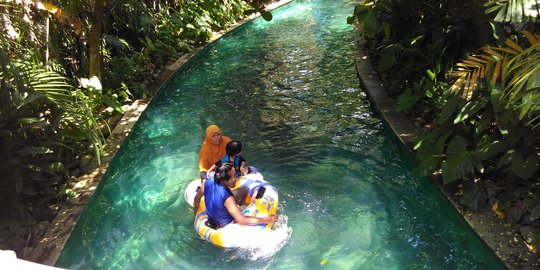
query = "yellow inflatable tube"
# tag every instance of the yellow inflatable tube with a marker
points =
(233, 234)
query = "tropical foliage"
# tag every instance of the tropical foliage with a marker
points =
(66, 67)
(480, 114)
(44, 122)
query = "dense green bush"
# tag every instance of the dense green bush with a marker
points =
(482, 130)
(406, 38)
(45, 123)
(153, 37)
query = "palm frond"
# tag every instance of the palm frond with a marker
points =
(513, 45)
(514, 11)
(512, 66)
(515, 69)
(473, 68)
(523, 82)
(532, 38)
(42, 85)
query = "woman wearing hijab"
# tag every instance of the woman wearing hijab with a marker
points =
(212, 150)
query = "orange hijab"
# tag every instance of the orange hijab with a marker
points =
(211, 153)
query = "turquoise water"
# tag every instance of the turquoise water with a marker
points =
(288, 90)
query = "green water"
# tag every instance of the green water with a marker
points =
(288, 90)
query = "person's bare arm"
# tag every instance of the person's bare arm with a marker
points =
(202, 161)
(198, 196)
(243, 168)
(212, 168)
(235, 212)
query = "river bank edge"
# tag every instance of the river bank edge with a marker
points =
(498, 235)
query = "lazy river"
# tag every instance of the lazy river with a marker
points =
(288, 90)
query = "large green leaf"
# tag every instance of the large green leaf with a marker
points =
(495, 147)
(430, 151)
(459, 162)
(474, 196)
(496, 100)
(530, 104)
(519, 135)
(505, 160)
(388, 57)
(535, 212)
(525, 168)
(369, 22)
(449, 109)
(407, 100)
(469, 110)
(486, 119)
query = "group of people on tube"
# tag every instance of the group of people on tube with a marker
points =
(221, 155)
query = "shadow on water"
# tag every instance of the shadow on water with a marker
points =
(288, 90)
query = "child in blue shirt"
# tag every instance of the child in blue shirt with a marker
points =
(233, 149)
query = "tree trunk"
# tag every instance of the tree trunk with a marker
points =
(481, 21)
(95, 56)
